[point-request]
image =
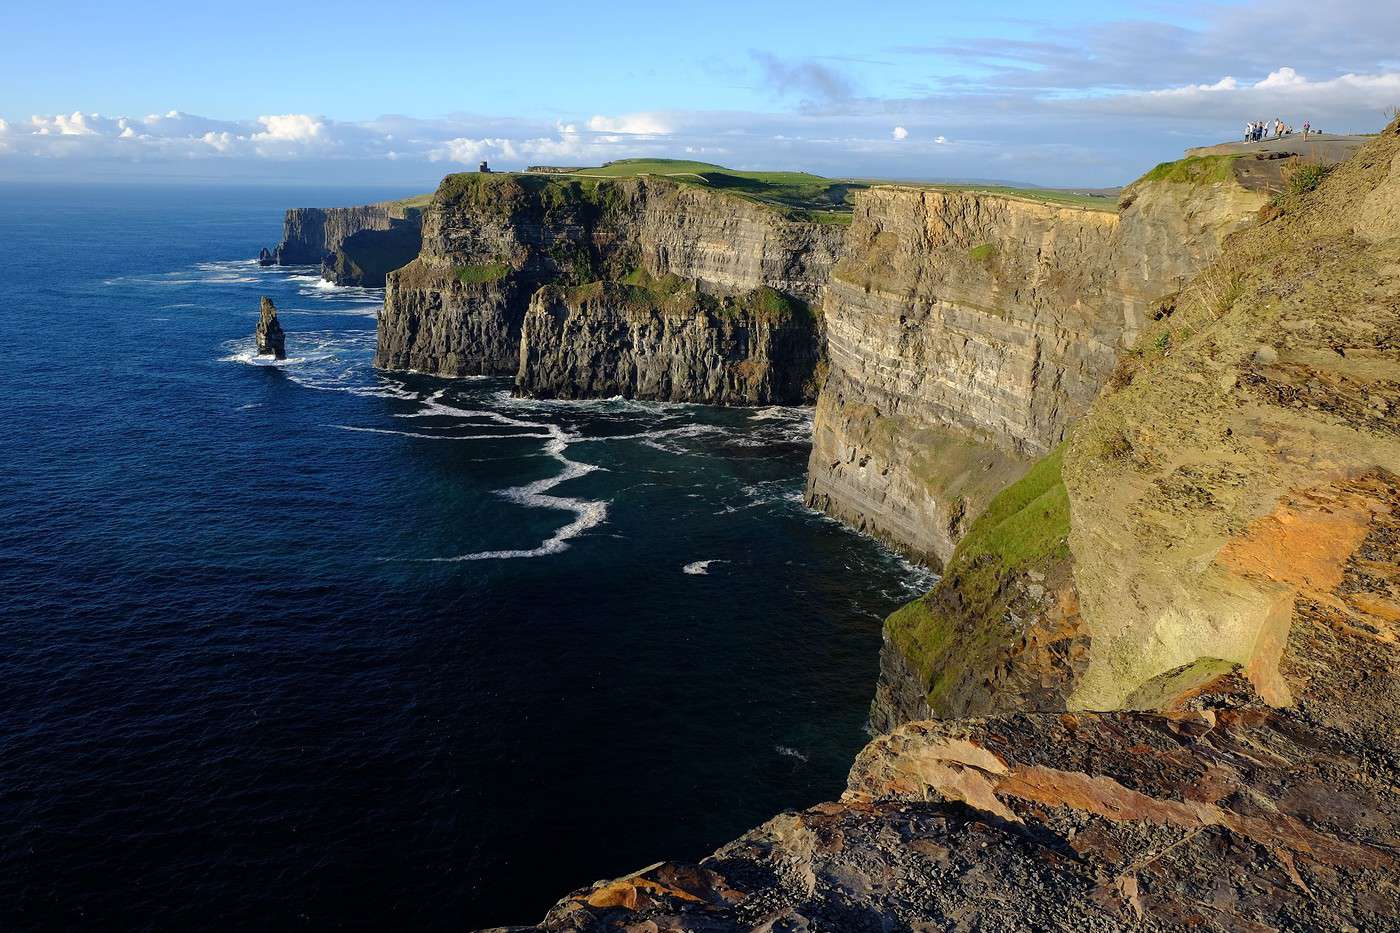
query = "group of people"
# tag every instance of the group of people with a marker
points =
(1260, 129)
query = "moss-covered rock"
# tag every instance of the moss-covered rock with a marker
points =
(1001, 627)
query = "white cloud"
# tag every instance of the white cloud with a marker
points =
(1284, 77)
(635, 124)
(471, 151)
(76, 124)
(941, 140)
(290, 127)
(900, 133)
(219, 142)
(1348, 97)
(1226, 83)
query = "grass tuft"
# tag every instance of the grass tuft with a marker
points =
(1196, 170)
(480, 273)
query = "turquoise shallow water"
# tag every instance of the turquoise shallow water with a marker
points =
(307, 646)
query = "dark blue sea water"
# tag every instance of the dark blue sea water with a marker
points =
(312, 647)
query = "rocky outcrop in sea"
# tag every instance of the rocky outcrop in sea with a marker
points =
(268, 336)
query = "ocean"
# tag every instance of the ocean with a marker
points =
(308, 646)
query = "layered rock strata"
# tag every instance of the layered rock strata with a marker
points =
(601, 340)
(1216, 551)
(1130, 551)
(967, 330)
(366, 258)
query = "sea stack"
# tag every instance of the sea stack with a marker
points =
(265, 257)
(270, 339)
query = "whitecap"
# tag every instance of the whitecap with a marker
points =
(252, 358)
(588, 513)
(440, 437)
(788, 752)
(700, 566)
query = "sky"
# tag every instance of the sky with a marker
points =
(1081, 93)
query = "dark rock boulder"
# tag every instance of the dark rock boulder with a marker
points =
(270, 339)
(265, 257)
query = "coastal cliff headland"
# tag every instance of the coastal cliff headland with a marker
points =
(1149, 442)
(1158, 685)
(638, 286)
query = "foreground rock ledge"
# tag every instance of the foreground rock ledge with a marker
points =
(1222, 814)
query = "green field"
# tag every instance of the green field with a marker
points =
(1056, 196)
(813, 197)
(800, 195)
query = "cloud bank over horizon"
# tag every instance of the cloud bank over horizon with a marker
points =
(1050, 105)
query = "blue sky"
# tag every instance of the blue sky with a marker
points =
(1092, 93)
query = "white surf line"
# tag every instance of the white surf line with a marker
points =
(587, 513)
(536, 495)
(441, 437)
(700, 566)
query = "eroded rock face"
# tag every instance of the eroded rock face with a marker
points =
(1251, 450)
(521, 233)
(966, 331)
(1225, 472)
(435, 323)
(268, 336)
(309, 233)
(601, 341)
(366, 257)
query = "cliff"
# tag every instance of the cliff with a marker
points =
(667, 342)
(1215, 550)
(492, 242)
(353, 245)
(967, 330)
(366, 257)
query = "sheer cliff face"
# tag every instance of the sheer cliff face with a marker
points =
(448, 327)
(1208, 568)
(309, 233)
(966, 331)
(366, 258)
(729, 244)
(520, 233)
(598, 341)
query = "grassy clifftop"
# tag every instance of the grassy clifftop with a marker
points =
(797, 195)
